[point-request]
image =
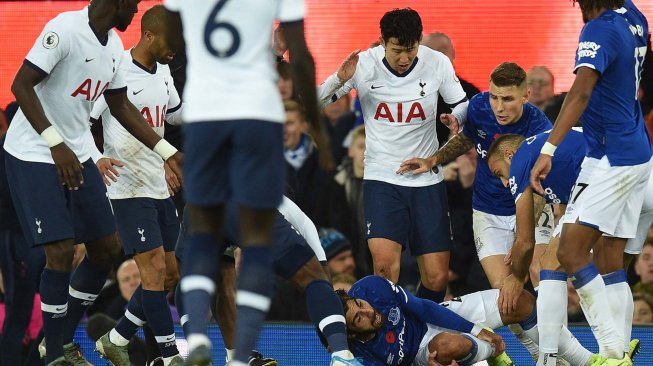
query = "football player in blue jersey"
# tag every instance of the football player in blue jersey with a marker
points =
(504, 109)
(511, 158)
(610, 188)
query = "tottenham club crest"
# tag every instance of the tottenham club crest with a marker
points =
(50, 40)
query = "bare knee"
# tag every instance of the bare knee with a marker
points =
(152, 266)
(104, 252)
(436, 279)
(59, 255)
(450, 347)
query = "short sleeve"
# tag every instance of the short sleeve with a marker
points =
(597, 46)
(172, 5)
(99, 107)
(52, 46)
(520, 170)
(291, 11)
(450, 89)
(174, 102)
(119, 81)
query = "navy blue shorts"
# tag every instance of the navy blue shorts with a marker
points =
(240, 161)
(49, 212)
(146, 223)
(416, 217)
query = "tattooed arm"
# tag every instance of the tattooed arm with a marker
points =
(457, 146)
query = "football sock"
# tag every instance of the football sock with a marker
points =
(54, 305)
(620, 298)
(134, 317)
(593, 298)
(198, 286)
(325, 310)
(252, 298)
(157, 312)
(424, 293)
(481, 350)
(551, 309)
(86, 283)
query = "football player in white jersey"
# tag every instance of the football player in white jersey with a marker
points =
(233, 127)
(398, 84)
(146, 216)
(57, 190)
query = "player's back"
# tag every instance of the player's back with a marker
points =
(230, 73)
(566, 165)
(614, 44)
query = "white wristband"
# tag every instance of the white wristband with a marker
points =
(51, 136)
(164, 149)
(548, 149)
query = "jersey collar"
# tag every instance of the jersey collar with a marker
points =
(141, 66)
(395, 73)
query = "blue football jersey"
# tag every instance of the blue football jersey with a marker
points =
(397, 342)
(614, 44)
(490, 196)
(566, 166)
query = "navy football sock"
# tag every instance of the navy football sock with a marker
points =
(424, 293)
(157, 312)
(134, 316)
(325, 310)
(252, 299)
(201, 261)
(85, 285)
(54, 305)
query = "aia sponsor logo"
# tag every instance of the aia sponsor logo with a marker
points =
(398, 113)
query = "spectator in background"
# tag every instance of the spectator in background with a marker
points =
(3, 122)
(338, 118)
(644, 269)
(342, 281)
(441, 42)
(285, 83)
(643, 309)
(342, 202)
(305, 176)
(540, 86)
(338, 252)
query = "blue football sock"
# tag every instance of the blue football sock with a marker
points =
(252, 299)
(157, 312)
(325, 310)
(134, 316)
(85, 285)
(201, 261)
(54, 306)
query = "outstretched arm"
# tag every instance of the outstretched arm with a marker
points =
(458, 145)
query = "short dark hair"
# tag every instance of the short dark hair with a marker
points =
(154, 19)
(403, 24)
(587, 5)
(508, 74)
(497, 145)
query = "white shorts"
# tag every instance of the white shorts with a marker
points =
(634, 245)
(478, 307)
(495, 235)
(608, 198)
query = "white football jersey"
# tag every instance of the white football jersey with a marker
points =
(400, 111)
(153, 93)
(79, 68)
(231, 72)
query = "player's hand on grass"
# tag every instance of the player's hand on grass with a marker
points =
(68, 166)
(509, 294)
(348, 67)
(451, 122)
(433, 362)
(107, 169)
(539, 172)
(418, 166)
(494, 339)
(171, 178)
(174, 163)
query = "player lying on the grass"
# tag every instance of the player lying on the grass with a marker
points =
(388, 326)
(511, 158)
(296, 256)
